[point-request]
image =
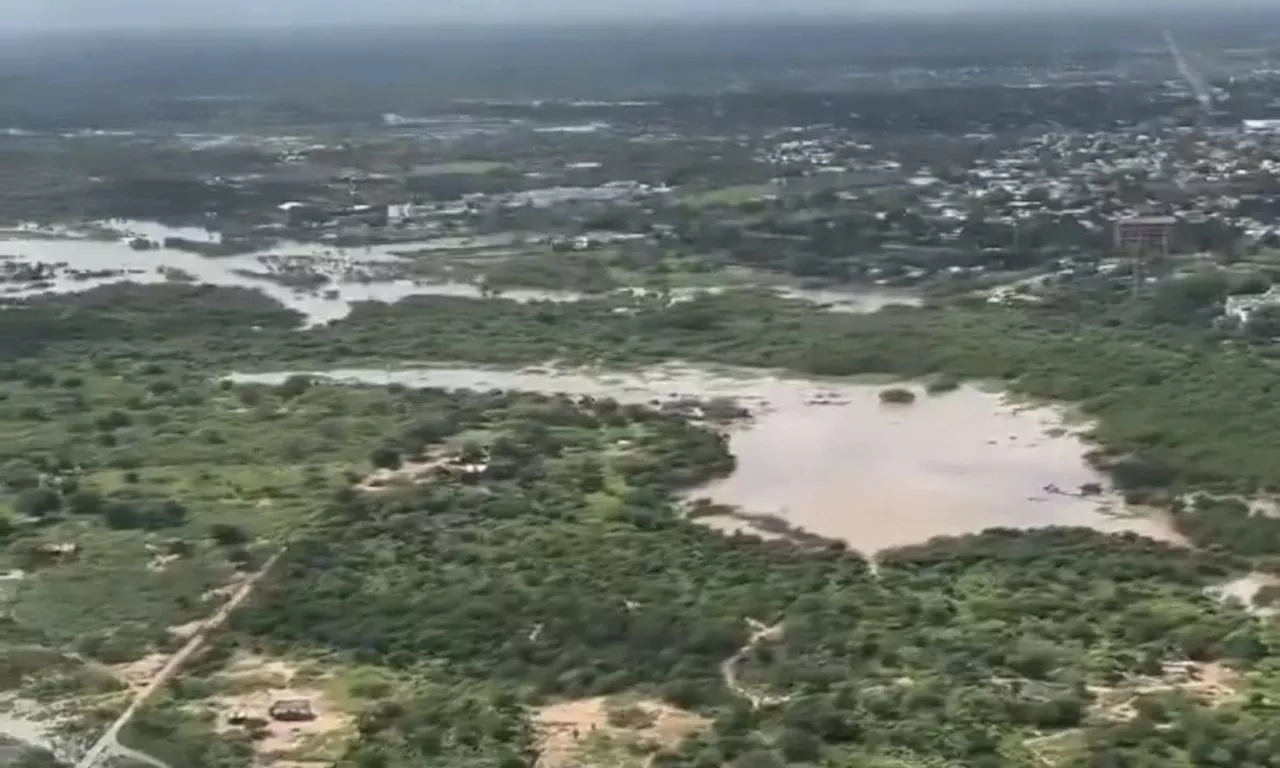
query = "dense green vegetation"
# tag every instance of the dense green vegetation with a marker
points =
(565, 574)
(563, 570)
(131, 489)
(178, 739)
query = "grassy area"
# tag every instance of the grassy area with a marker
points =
(443, 617)
(465, 167)
(734, 195)
(135, 468)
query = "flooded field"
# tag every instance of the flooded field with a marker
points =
(336, 277)
(1247, 589)
(830, 458)
(18, 723)
(320, 281)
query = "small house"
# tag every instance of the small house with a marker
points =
(246, 720)
(292, 710)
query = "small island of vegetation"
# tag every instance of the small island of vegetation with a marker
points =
(897, 396)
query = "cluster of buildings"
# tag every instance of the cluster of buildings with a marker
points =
(1230, 175)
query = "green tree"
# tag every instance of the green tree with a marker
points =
(19, 475)
(294, 386)
(385, 457)
(122, 516)
(228, 535)
(759, 758)
(37, 502)
(799, 746)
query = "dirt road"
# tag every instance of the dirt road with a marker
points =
(729, 669)
(109, 743)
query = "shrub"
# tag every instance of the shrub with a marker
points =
(897, 396)
(84, 502)
(385, 457)
(942, 384)
(37, 502)
(228, 535)
(294, 386)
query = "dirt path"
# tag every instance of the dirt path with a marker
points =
(109, 743)
(729, 669)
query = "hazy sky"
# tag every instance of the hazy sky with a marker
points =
(21, 15)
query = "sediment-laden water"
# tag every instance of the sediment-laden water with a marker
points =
(829, 457)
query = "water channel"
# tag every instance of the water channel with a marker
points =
(352, 274)
(831, 458)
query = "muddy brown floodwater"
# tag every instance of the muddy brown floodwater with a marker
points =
(829, 457)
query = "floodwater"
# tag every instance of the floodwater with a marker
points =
(858, 302)
(1245, 591)
(351, 272)
(115, 261)
(830, 458)
(27, 730)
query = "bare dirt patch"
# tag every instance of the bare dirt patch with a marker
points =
(1213, 683)
(248, 689)
(568, 730)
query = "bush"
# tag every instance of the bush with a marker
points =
(228, 535)
(294, 386)
(113, 420)
(19, 475)
(385, 457)
(242, 559)
(122, 516)
(759, 758)
(897, 396)
(85, 502)
(942, 384)
(251, 395)
(799, 746)
(37, 502)
(631, 717)
(162, 387)
(164, 514)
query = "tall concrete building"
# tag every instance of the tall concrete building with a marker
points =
(1141, 235)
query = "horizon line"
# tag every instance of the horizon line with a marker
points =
(1006, 12)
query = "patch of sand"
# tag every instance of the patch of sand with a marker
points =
(251, 684)
(565, 728)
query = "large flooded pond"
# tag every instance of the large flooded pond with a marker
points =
(332, 278)
(831, 458)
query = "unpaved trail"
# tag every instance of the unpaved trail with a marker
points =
(729, 669)
(109, 743)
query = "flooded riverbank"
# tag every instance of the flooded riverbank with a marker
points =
(1254, 591)
(830, 458)
(321, 281)
(18, 722)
